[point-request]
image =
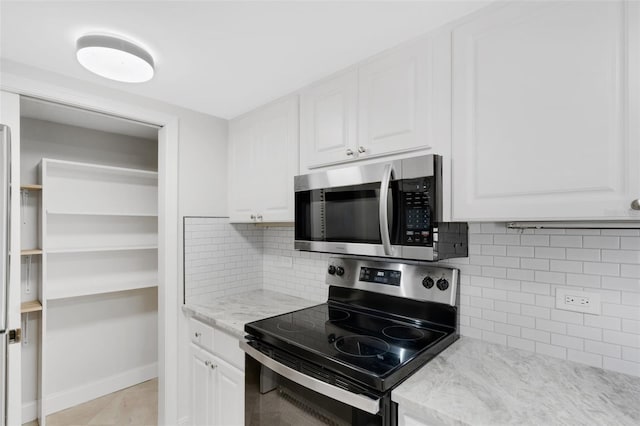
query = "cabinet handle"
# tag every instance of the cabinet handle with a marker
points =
(361, 149)
(212, 366)
(635, 204)
(259, 217)
(253, 217)
(197, 334)
(349, 152)
(207, 363)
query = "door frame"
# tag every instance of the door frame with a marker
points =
(168, 221)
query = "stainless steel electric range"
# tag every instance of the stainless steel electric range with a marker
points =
(337, 363)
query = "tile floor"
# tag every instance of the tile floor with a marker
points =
(137, 405)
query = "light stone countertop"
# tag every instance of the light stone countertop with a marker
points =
(477, 383)
(231, 313)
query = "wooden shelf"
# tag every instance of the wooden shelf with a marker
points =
(30, 252)
(32, 306)
(99, 249)
(32, 187)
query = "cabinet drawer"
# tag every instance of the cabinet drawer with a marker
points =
(228, 348)
(201, 334)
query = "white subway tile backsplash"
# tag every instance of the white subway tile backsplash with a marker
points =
(591, 333)
(534, 240)
(584, 358)
(567, 341)
(518, 343)
(621, 256)
(551, 350)
(601, 242)
(565, 241)
(601, 348)
(583, 254)
(507, 285)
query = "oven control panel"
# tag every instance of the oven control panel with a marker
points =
(411, 280)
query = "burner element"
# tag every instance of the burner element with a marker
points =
(361, 346)
(401, 332)
(338, 314)
(293, 326)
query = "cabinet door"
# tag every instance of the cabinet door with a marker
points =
(230, 392)
(545, 112)
(394, 100)
(203, 392)
(328, 120)
(276, 153)
(243, 176)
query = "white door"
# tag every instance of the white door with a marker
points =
(243, 175)
(394, 100)
(546, 112)
(328, 121)
(203, 390)
(276, 152)
(230, 392)
(10, 116)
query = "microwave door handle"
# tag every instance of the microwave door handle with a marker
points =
(383, 212)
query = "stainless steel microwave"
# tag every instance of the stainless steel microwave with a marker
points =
(389, 209)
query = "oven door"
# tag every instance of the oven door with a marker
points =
(276, 394)
(350, 211)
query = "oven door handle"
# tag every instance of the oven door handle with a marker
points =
(360, 402)
(387, 175)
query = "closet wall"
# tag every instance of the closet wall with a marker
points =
(94, 343)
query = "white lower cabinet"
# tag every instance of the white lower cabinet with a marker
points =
(217, 384)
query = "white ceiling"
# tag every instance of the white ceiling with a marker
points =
(222, 58)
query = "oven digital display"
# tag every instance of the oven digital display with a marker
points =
(380, 276)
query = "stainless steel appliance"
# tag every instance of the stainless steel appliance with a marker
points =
(337, 362)
(5, 225)
(391, 209)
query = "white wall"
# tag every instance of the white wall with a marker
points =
(507, 287)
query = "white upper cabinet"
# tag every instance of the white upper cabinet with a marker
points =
(392, 103)
(328, 120)
(546, 112)
(263, 159)
(394, 100)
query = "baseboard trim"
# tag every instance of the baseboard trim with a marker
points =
(71, 397)
(29, 411)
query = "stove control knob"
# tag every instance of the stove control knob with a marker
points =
(442, 284)
(332, 270)
(427, 282)
(339, 271)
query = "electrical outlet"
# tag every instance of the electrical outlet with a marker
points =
(570, 299)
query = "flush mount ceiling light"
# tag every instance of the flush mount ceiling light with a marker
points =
(114, 58)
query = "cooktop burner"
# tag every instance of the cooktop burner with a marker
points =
(401, 332)
(338, 314)
(361, 346)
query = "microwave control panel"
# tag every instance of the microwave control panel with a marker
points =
(417, 203)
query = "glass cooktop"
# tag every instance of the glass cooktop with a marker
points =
(374, 345)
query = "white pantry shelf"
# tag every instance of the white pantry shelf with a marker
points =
(97, 289)
(99, 213)
(56, 165)
(99, 249)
